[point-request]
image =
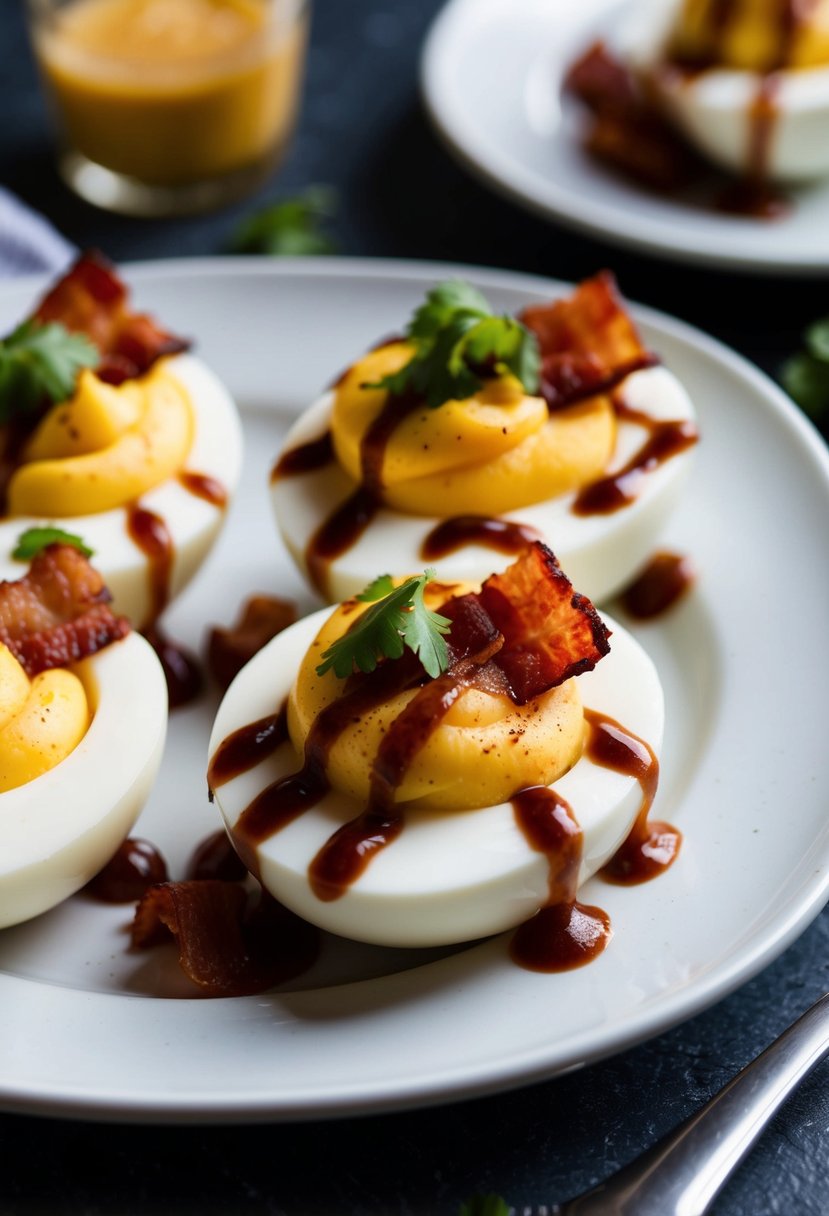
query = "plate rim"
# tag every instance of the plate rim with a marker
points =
(450, 1085)
(488, 165)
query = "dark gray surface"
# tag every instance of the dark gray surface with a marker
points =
(362, 131)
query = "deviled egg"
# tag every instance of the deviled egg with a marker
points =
(745, 81)
(475, 435)
(400, 807)
(83, 716)
(120, 436)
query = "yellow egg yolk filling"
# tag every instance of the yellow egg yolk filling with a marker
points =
(483, 750)
(42, 720)
(751, 34)
(497, 451)
(104, 447)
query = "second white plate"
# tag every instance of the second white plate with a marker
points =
(491, 78)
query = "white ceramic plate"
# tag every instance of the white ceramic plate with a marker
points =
(87, 1028)
(491, 77)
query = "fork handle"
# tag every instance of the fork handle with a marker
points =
(682, 1173)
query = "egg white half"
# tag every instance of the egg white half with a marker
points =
(60, 829)
(193, 523)
(449, 876)
(713, 108)
(599, 553)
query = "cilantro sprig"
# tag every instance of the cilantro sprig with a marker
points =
(485, 1205)
(459, 343)
(33, 540)
(398, 618)
(292, 227)
(40, 363)
(805, 376)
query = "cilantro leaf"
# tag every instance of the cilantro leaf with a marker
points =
(382, 586)
(30, 542)
(292, 227)
(485, 1205)
(41, 362)
(423, 630)
(399, 619)
(805, 375)
(459, 343)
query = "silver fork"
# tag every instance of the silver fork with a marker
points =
(681, 1174)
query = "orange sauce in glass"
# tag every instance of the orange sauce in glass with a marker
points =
(175, 91)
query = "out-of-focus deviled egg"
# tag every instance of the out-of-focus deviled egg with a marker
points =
(473, 436)
(111, 430)
(432, 763)
(745, 81)
(83, 716)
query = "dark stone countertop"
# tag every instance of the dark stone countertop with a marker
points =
(363, 131)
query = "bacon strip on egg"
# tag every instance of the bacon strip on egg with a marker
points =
(589, 342)
(91, 299)
(59, 612)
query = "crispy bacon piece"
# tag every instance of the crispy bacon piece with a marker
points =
(550, 631)
(588, 341)
(226, 946)
(91, 299)
(628, 131)
(262, 618)
(59, 612)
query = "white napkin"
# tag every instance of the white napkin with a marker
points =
(28, 242)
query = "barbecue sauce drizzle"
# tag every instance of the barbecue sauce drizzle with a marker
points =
(564, 933)
(347, 523)
(150, 533)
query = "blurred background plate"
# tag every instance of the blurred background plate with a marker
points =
(491, 76)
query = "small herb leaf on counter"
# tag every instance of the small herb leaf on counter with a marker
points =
(33, 540)
(397, 620)
(459, 344)
(805, 376)
(41, 362)
(485, 1205)
(290, 228)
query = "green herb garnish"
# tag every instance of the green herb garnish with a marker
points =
(805, 376)
(30, 542)
(485, 1205)
(293, 227)
(399, 618)
(41, 362)
(459, 343)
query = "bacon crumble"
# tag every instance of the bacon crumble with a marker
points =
(589, 342)
(91, 299)
(228, 945)
(59, 612)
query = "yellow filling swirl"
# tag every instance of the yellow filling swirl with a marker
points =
(41, 720)
(104, 447)
(482, 752)
(751, 34)
(497, 451)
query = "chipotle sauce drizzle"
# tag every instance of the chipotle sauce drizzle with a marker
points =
(665, 440)
(181, 670)
(201, 485)
(315, 454)
(455, 533)
(564, 933)
(150, 532)
(244, 749)
(663, 582)
(650, 846)
(341, 530)
(136, 866)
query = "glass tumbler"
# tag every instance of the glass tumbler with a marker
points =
(170, 106)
